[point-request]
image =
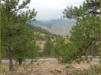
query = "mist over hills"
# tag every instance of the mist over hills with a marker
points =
(56, 26)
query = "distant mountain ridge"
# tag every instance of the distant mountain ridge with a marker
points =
(54, 21)
(56, 26)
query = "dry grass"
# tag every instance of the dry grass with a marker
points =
(3, 67)
(18, 70)
(35, 69)
(50, 69)
(91, 70)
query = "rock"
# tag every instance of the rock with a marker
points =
(58, 70)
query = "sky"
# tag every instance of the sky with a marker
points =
(52, 9)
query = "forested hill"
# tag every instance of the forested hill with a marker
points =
(56, 26)
(40, 30)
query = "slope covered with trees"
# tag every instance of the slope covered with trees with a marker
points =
(19, 40)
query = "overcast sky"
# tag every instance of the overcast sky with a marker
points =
(52, 9)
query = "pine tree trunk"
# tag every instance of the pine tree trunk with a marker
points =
(10, 59)
(10, 64)
(20, 61)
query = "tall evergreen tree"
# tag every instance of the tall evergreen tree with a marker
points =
(14, 33)
(86, 33)
(48, 47)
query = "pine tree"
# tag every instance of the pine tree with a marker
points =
(84, 35)
(14, 33)
(48, 48)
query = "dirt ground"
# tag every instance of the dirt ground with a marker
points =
(45, 67)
